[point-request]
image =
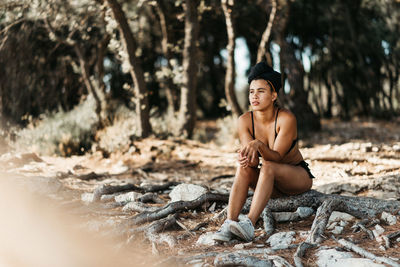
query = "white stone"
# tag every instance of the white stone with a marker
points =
(206, 240)
(337, 216)
(186, 192)
(328, 256)
(389, 218)
(379, 229)
(337, 230)
(343, 223)
(331, 226)
(282, 239)
(212, 208)
(239, 246)
(87, 197)
(353, 262)
(127, 197)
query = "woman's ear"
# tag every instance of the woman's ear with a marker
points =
(274, 96)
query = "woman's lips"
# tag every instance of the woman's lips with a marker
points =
(255, 103)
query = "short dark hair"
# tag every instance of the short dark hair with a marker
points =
(263, 71)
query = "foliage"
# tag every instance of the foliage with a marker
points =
(61, 133)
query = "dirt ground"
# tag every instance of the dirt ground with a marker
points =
(359, 158)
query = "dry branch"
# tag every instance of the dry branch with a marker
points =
(366, 254)
(178, 206)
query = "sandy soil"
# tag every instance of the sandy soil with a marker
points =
(363, 156)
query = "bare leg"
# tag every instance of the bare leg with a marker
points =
(288, 179)
(244, 178)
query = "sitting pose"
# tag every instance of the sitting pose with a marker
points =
(268, 132)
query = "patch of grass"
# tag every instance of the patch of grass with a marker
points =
(61, 133)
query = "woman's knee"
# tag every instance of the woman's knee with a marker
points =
(246, 173)
(268, 168)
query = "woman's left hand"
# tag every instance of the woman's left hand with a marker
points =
(250, 150)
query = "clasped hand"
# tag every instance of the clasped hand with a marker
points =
(248, 154)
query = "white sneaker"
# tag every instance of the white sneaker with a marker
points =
(223, 234)
(243, 229)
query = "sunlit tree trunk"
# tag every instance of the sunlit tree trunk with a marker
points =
(261, 53)
(166, 84)
(141, 97)
(227, 6)
(187, 111)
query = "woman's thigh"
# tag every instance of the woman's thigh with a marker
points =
(290, 179)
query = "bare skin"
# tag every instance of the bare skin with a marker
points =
(278, 175)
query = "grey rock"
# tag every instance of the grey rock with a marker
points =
(338, 216)
(354, 262)
(304, 212)
(282, 239)
(87, 197)
(326, 257)
(389, 218)
(186, 192)
(337, 230)
(127, 197)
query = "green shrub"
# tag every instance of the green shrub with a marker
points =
(61, 133)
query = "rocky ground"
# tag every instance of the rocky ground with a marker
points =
(347, 158)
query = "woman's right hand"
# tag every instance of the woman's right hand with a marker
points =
(244, 161)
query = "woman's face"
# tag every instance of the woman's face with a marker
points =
(261, 95)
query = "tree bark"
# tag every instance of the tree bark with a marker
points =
(97, 95)
(297, 100)
(167, 84)
(187, 110)
(267, 33)
(136, 71)
(230, 65)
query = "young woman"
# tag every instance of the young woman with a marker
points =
(270, 133)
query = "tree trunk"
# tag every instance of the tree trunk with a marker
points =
(230, 65)
(265, 37)
(141, 97)
(187, 111)
(98, 95)
(167, 84)
(297, 99)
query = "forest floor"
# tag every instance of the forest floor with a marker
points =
(359, 158)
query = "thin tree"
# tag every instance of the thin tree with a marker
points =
(187, 110)
(261, 53)
(227, 7)
(136, 71)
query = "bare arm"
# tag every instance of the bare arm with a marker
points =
(286, 135)
(245, 138)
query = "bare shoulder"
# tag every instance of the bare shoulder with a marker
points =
(286, 117)
(244, 120)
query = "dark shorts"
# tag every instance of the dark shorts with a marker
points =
(304, 165)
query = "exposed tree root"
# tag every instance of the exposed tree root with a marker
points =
(362, 252)
(112, 189)
(300, 252)
(234, 259)
(174, 207)
(269, 221)
(321, 220)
